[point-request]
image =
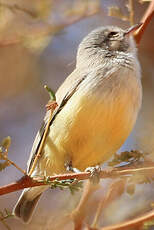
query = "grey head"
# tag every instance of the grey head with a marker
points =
(106, 42)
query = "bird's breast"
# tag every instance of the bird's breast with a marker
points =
(95, 121)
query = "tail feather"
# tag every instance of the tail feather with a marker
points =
(27, 203)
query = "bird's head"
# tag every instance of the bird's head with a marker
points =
(107, 41)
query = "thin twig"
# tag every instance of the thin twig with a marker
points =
(79, 213)
(5, 224)
(4, 217)
(131, 224)
(48, 31)
(15, 165)
(43, 138)
(116, 189)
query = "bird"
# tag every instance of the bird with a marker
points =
(98, 105)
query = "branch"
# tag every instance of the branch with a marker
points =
(48, 30)
(5, 215)
(147, 17)
(116, 189)
(53, 105)
(131, 224)
(27, 181)
(15, 7)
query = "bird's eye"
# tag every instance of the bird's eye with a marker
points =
(113, 34)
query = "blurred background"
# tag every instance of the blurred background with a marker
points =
(38, 44)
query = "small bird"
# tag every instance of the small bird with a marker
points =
(98, 105)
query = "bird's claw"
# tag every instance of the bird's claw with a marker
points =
(95, 173)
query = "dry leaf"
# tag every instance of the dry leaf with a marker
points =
(6, 142)
(4, 146)
(130, 189)
(115, 11)
(5, 17)
(36, 43)
(44, 8)
(78, 8)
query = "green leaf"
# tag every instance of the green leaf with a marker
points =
(51, 93)
(73, 184)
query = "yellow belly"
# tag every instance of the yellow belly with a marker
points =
(89, 129)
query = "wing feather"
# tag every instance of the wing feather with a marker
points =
(62, 96)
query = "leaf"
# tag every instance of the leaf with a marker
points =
(4, 146)
(4, 165)
(36, 43)
(44, 8)
(78, 8)
(130, 189)
(82, 8)
(73, 184)
(6, 142)
(148, 224)
(128, 157)
(5, 17)
(51, 93)
(115, 11)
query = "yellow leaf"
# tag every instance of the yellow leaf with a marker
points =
(44, 8)
(36, 43)
(115, 11)
(6, 142)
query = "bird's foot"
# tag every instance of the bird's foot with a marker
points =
(95, 173)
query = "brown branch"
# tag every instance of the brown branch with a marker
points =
(5, 224)
(18, 8)
(145, 20)
(26, 181)
(49, 30)
(13, 41)
(78, 215)
(131, 224)
(116, 189)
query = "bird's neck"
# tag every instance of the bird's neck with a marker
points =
(90, 60)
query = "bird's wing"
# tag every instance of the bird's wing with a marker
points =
(63, 94)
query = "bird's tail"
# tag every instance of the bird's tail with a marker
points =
(27, 202)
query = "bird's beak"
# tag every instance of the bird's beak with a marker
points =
(132, 29)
